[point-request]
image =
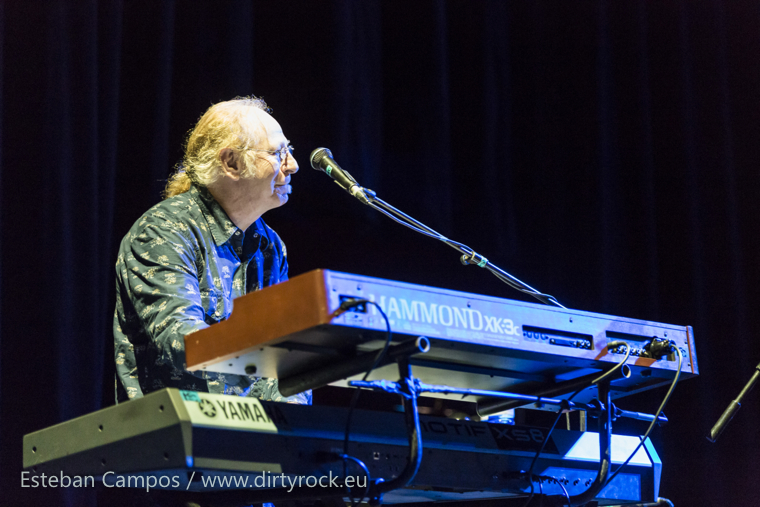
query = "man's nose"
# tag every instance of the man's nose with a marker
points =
(291, 165)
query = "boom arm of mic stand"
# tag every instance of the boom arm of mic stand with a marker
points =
(469, 256)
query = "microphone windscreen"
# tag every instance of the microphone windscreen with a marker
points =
(317, 156)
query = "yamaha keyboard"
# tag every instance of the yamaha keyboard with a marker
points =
(477, 341)
(190, 441)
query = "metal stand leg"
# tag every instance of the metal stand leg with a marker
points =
(605, 442)
(412, 419)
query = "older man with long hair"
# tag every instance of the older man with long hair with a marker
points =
(185, 260)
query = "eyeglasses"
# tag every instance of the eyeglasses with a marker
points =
(281, 153)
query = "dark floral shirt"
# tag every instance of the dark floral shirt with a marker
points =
(178, 270)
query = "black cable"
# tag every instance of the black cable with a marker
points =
(469, 255)
(543, 446)
(405, 224)
(656, 415)
(388, 337)
(618, 366)
(559, 482)
(366, 471)
(540, 490)
(355, 397)
(406, 218)
(564, 490)
(534, 293)
(409, 391)
(559, 415)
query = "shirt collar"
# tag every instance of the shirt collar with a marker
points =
(219, 223)
(261, 229)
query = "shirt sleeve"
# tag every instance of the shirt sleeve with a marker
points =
(158, 279)
(124, 355)
(283, 261)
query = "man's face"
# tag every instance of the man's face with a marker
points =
(270, 184)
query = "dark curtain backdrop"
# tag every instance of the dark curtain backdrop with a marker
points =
(604, 152)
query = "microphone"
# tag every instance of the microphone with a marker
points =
(733, 407)
(322, 160)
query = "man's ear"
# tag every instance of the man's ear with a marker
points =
(232, 166)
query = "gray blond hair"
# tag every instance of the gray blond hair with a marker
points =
(223, 125)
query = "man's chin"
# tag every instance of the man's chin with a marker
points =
(283, 190)
(281, 198)
(282, 193)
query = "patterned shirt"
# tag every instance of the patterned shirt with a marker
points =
(178, 270)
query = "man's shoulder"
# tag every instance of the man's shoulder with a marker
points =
(178, 214)
(176, 208)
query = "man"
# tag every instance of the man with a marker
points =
(184, 261)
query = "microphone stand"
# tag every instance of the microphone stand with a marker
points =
(469, 256)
